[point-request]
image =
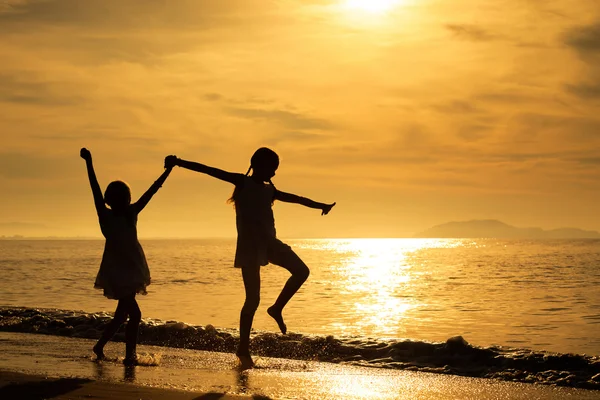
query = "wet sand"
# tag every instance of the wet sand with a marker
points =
(43, 366)
(22, 386)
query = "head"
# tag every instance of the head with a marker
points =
(117, 195)
(264, 163)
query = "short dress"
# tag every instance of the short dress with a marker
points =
(124, 270)
(257, 243)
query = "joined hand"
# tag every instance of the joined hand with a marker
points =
(170, 161)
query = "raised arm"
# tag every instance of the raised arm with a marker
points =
(142, 201)
(96, 191)
(292, 198)
(230, 177)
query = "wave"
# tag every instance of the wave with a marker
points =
(455, 356)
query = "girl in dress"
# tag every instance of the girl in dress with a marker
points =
(123, 272)
(257, 244)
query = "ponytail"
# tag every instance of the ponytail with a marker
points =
(273, 199)
(231, 200)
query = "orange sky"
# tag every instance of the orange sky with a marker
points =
(422, 112)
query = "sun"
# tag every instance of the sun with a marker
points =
(372, 6)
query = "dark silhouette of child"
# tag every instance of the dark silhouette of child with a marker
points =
(124, 271)
(257, 244)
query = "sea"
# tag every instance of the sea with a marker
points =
(542, 295)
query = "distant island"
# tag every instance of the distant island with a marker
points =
(489, 228)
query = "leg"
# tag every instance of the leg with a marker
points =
(251, 277)
(112, 328)
(131, 331)
(285, 257)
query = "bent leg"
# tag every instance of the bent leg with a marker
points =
(285, 257)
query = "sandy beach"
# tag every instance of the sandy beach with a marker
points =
(42, 366)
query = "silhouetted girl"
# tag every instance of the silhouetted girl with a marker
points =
(123, 272)
(257, 243)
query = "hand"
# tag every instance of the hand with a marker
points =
(85, 154)
(170, 161)
(326, 208)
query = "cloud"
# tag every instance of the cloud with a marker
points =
(589, 91)
(470, 32)
(249, 108)
(503, 97)
(213, 96)
(592, 160)
(15, 165)
(97, 134)
(130, 48)
(296, 137)
(28, 89)
(137, 31)
(563, 129)
(457, 106)
(584, 39)
(284, 118)
(121, 15)
(474, 132)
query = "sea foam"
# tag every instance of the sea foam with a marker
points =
(455, 356)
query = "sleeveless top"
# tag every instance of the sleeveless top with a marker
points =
(254, 222)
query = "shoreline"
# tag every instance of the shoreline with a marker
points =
(455, 357)
(196, 374)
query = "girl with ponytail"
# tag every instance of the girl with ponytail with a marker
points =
(257, 243)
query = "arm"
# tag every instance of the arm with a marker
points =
(230, 177)
(96, 192)
(142, 201)
(292, 198)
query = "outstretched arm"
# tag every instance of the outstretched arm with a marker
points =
(96, 191)
(230, 177)
(142, 201)
(292, 198)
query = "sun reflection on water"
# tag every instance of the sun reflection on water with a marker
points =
(379, 278)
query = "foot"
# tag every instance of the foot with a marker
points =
(245, 360)
(99, 352)
(276, 314)
(130, 360)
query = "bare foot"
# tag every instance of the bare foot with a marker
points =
(245, 360)
(130, 361)
(276, 314)
(99, 352)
